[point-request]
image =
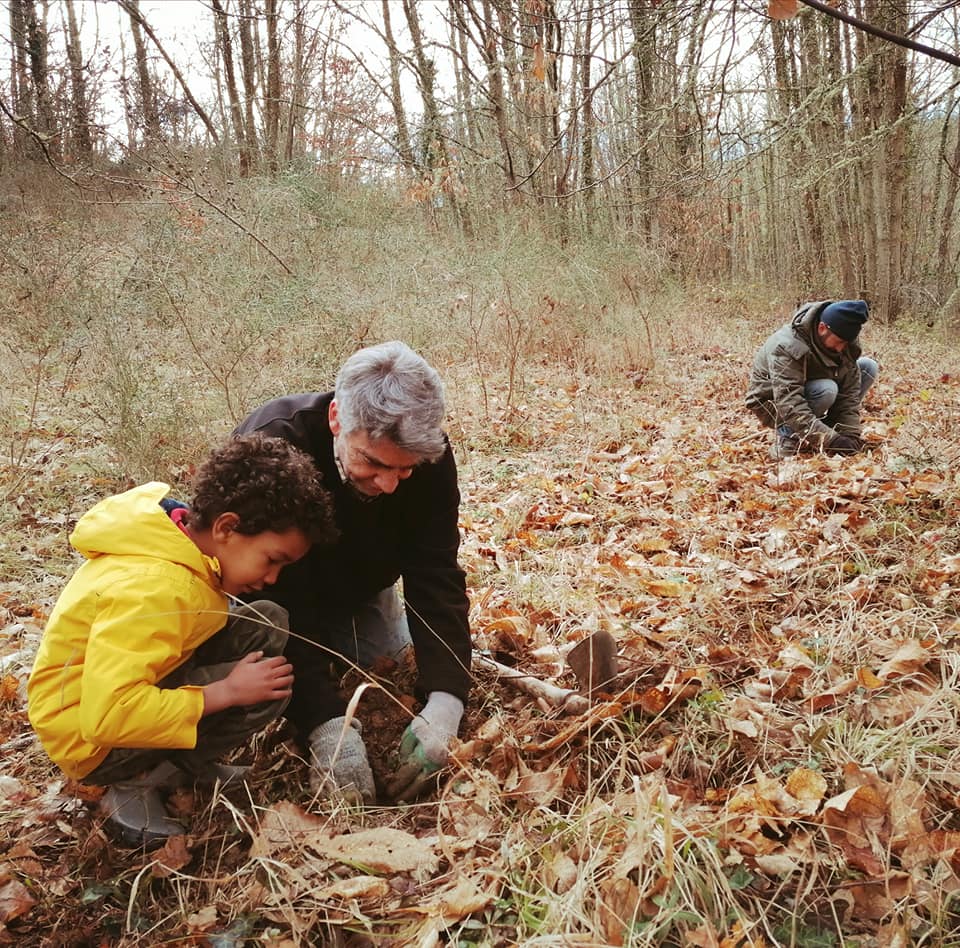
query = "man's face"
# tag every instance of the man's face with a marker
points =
(829, 339)
(248, 563)
(372, 466)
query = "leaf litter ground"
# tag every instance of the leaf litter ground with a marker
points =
(776, 762)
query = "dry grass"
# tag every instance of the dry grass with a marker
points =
(787, 633)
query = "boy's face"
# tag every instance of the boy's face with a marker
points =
(248, 563)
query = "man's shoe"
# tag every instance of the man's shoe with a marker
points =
(785, 446)
(781, 450)
(338, 762)
(136, 812)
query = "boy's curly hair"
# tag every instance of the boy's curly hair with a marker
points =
(268, 483)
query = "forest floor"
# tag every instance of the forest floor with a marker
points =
(777, 762)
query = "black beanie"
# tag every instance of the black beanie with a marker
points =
(844, 318)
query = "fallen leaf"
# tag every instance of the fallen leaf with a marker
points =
(15, 900)
(463, 898)
(382, 850)
(777, 864)
(908, 659)
(172, 857)
(867, 679)
(203, 920)
(356, 887)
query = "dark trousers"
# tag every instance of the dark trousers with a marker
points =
(258, 627)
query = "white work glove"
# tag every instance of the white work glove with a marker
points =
(345, 772)
(425, 745)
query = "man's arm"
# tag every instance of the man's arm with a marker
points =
(434, 585)
(437, 611)
(787, 377)
(845, 413)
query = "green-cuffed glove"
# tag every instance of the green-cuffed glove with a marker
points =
(425, 745)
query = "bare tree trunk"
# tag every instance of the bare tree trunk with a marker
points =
(36, 36)
(129, 107)
(643, 25)
(884, 103)
(83, 144)
(297, 84)
(895, 163)
(947, 274)
(272, 97)
(467, 127)
(553, 46)
(506, 31)
(21, 88)
(497, 101)
(433, 146)
(248, 69)
(586, 105)
(811, 73)
(404, 149)
(261, 70)
(236, 113)
(435, 156)
(148, 97)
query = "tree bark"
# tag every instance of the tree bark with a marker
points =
(495, 93)
(236, 113)
(435, 155)
(466, 113)
(37, 42)
(83, 143)
(643, 25)
(272, 97)
(293, 122)
(21, 88)
(249, 72)
(404, 149)
(586, 105)
(947, 273)
(148, 98)
(884, 102)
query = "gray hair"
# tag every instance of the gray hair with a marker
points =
(388, 391)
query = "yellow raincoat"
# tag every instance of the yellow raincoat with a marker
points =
(140, 605)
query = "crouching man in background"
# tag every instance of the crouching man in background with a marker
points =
(809, 380)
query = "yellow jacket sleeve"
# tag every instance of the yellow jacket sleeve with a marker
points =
(141, 632)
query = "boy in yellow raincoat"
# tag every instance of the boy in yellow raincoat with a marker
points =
(142, 668)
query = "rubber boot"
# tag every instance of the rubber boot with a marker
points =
(135, 810)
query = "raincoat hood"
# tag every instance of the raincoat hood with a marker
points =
(134, 524)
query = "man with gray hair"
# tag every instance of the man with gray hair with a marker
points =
(377, 441)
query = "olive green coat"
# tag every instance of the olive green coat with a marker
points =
(791, 357)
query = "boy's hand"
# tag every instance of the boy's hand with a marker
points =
(253, 680)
